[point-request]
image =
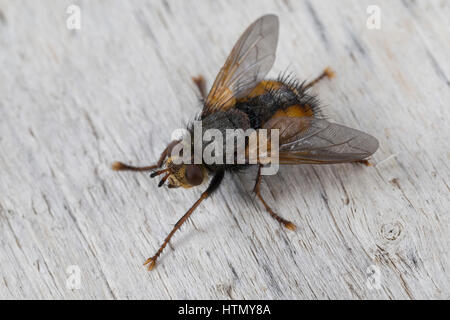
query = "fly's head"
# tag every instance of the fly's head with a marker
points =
(180, 174)
(185, 175)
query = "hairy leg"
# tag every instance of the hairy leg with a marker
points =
(364, 162)
(119, 166)
(201, 85)
(213, 185)
(328, 73)
(281, 220)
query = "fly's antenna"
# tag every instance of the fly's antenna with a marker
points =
(157, 173)
(160, 184)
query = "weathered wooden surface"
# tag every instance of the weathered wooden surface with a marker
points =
(72, 101)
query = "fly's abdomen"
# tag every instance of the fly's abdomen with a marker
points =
(277, 98)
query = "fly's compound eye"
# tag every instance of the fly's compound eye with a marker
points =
(194, 175)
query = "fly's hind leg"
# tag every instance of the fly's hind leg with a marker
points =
(201, 85)
(285, 222)
(327, 73)
(364, 162)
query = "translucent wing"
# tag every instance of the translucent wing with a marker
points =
(248, 63)
(312, 140)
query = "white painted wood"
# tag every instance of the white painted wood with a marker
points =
(73, 101)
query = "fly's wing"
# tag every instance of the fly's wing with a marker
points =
(317, 141)
(248, 63)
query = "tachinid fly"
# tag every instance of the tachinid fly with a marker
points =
(241, 98)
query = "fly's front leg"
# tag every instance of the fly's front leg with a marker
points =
(119, 166)
(213, 185)
(327, 73)
(281, 220)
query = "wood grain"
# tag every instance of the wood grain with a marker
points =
(73, 101)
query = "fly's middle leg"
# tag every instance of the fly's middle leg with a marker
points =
(281, 220)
